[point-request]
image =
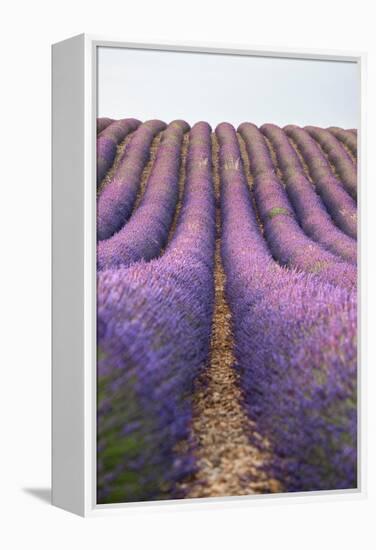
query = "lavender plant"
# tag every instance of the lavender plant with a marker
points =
(115, 203)
(339, 204)
(337, 156)
(285, 237)
(294, 343)
(102, 123)
(147, 230)
(154, 324)
(107, 143)
(347, 137)
(308, 207)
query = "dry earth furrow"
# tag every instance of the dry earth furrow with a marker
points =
(181, 184)
(249, 177)
(120, 152)
(148, 168)
(273, 156)
(228, 464)
(348, 151)
(306, 170)
(332, 166)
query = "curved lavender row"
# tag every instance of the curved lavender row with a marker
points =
(154, 326)
(309, 209)
(294, 344)
(340, 205)
(353, 131)
(108, 141)
(143, 236)
(347, 137)
(102, 123)
(116, 202)
(337, 156)
(197, 215)
(285, 237)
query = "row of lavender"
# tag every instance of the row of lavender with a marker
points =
(294, 332)
(336, 193)
(147, 230)
(154, 318)
(154, 322)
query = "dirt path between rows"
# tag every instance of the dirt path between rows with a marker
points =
(181, 186)
(228, 464)
(120, 152)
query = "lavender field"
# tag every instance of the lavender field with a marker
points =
(226, 309)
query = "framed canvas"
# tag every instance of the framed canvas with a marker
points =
(207, 213)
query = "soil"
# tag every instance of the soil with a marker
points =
(249, 178)
(120, 152)
(228, 464)
(182, 173)
(148, 168)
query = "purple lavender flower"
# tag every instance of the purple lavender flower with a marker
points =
(154, 325)
(347, 137)
(308, 206)
(294, 327)
(337, 156)
(286, 239)
(294, 342)
(102, 123)
(144, 235)
(107, 143)
(340, 205)
(116, 201)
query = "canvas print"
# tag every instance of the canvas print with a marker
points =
(226, 275)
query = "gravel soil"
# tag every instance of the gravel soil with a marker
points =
(228, 464)
(120, 152)
(181, 184)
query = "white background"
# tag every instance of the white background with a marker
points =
(226, 88)
(28, 29)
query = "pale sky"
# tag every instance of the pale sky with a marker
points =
(148, 84)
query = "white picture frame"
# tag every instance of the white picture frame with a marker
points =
(74, 95)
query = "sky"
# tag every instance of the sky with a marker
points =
(147, 84)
